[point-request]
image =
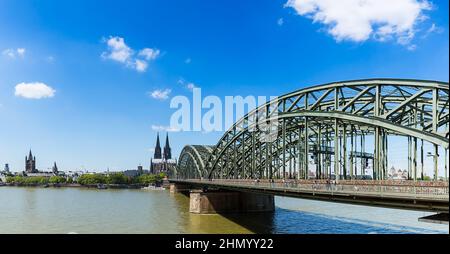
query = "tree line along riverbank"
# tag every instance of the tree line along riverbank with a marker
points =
(113, 180)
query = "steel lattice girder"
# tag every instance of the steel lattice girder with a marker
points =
(192, 161)
(412, 108)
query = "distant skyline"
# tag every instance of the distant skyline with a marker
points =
(88, 83)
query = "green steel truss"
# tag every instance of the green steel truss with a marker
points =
(328, 125)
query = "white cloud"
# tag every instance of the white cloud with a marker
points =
(188, 85)
(149, 54)
(141, 66)
(433, 29)
(280, 21)
(164, 128)
(34, 90)
(412, 47)
(21, 52)
(120, 52)
(13, 53)
(360, 20)
(9, 53)
(160, 94)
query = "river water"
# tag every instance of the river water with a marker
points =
(77, 210)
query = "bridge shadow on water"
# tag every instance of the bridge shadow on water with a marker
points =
(286, 221)
(256, 222)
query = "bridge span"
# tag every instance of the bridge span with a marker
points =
(337, 132)
(401, 195)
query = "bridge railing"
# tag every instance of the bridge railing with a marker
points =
(437, 190)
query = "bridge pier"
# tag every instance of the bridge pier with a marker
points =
(178, 188)
(229, 202)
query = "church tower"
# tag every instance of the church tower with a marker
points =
(157, 149)
(55, 169)
(30, 163)
(167, 149)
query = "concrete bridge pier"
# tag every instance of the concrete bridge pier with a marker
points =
(179, 188)
(229, 202)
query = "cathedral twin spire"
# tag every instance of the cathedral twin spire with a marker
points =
(157, 149)
(167, 155)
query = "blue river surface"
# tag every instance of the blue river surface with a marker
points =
(322, 224)
(78, 210)
(319, 217)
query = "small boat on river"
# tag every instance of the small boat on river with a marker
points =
(101, 187)
(152, 187)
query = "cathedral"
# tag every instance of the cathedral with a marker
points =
(162, 161)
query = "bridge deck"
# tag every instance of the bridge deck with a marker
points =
(423, 198)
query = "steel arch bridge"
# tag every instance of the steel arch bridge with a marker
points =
(333, 125)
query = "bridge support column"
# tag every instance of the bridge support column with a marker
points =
(230, 202)
(177, 188)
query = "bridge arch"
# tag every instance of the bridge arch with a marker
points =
(192, 161)
(330, 124)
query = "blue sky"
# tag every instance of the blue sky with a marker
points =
(100, 111)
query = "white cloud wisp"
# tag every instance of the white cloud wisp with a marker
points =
(119, 51)
(34, 90)
(360, 20)
(160, 94)
(164, 128)
(13, 53)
